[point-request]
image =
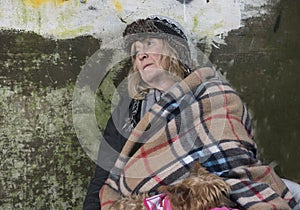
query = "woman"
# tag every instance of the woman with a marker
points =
(178, 118)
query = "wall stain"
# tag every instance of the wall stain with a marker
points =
(277, 23)
(185, 1)
(37, 3)
(92, 8)
(118, 5)
(195, 23)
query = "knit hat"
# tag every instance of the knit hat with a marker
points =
(159, 27)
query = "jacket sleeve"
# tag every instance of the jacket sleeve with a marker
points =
(110, 147)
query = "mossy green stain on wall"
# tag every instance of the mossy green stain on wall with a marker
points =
(69, 33)
(40, 155)
(43, 163)
(195, 23)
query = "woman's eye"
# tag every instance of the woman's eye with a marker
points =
(150, 42)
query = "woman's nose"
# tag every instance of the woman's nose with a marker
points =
(142, 55)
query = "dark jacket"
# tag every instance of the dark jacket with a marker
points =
(114, 138)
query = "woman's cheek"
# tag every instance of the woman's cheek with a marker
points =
(138, 66)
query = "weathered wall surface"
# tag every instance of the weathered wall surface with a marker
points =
(70, 18)
(43, 165)
(262, 61)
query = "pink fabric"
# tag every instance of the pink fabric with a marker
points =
(158, 202)
(167, 204)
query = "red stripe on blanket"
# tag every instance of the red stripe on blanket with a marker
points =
(147, 165)
(109, 202)
(199, 75)
(135, 134)
(221, 116)
(287, 199)
(227, 112)
(229, 118)
(268, 170)
(256, 193)
(149, 151)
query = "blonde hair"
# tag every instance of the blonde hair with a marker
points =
(138, 89)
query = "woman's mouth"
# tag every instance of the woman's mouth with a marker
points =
(147, 65)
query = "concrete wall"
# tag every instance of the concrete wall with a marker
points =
(262, 61)
(45, 44)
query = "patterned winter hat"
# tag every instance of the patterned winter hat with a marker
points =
(159, 27)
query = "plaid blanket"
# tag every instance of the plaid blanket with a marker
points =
(199, 119)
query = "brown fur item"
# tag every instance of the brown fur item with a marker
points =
(133, 202)
(200, 191)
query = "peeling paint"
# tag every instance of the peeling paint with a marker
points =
(61, 19)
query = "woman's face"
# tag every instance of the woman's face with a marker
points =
(149, 60)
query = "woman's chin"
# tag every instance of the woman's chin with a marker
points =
(151, 75)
